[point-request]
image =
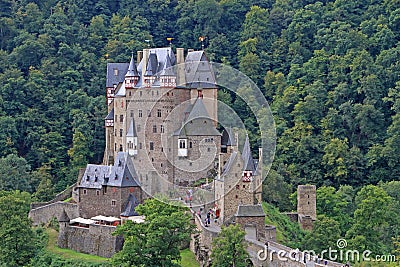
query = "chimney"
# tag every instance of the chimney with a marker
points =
(179, 55)
(139, 56)
(180, 60)
(146, 53)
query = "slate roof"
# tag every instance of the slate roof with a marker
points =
(120, 90)
(198, 71)
(198, 122)
(167, 69)
(122, 174)
(132, 129)
(250, 211)
(247, 156)
(152, 65)
(130, 207)
(228, 139)
(132, 70)
(64, 217)
(229, 163)
(110, 115)
(113, 79)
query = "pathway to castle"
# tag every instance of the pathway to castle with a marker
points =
(272, 248)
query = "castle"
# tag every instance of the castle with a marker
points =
(163, 138)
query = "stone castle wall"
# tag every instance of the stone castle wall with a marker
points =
(95, 240)
(44, 214)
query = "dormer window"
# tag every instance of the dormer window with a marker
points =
(182, 143)
(115, 72)
(87, 178)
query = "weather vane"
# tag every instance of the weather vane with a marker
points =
(169, 39)
(201, 39)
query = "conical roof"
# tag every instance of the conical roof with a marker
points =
(132, 129)
(247, 157)
(132, 69)
(167, 69)
(64, 217)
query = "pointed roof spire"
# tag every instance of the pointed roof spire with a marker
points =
(132, 70)
(64, 217)
(247, 157)
(198, 110)
(167, 69)
(131, 131)
(152, 64)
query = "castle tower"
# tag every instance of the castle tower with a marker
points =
(306, 205)
(63, 221)
(132, 75)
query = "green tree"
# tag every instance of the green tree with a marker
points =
(157, 241)
(14, 173)
(15, 229)
(229, 248)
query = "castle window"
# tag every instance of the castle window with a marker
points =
(167, 93)
(130, 93)
(161, 165)
(172, 93)
(154, 128)
(161, 128)
(140, 113)
(244, 186)
(140, 93)
(84, 191)
(105, 190)
(152, 159)
(131, 113)
(116, 118)
(120, 132)
(162, 149)
(236, 196)
(113, 203)
(121, 118)
(208, 149)
(182, 143)
(120, 148)
(97, 193)
(115, 72)
(158, 112)
(190, 144)
(237, 186)
(199, 93)
(151, 144)
(115, 146)
(140, 145)
(96, 178)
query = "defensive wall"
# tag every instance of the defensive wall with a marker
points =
(44, 214)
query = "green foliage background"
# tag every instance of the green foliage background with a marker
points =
(329, 69)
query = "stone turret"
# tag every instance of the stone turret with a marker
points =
(63, 221)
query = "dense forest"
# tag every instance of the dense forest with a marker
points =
(329, 69)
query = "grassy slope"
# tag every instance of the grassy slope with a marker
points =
(188, 258)
(287, 232)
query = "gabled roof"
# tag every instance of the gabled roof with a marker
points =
(130, 207)
(110, 115)
(250, 211)
(132, 70)
(120, 90)
(247, 156)
(198, 71)
(132, 129)
(122, 174)
(116, 68)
